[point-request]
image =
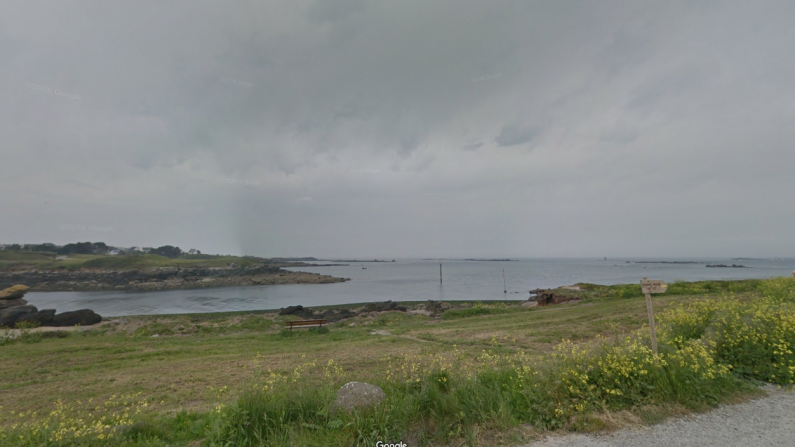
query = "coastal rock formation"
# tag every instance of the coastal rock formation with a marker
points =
(547, 297)
(9, 316)
(358, 395)
(12, 303)
(42, 317)
(14, 310)
(83, 317)
(383, 307)
(338, 313)
(159, 278)
(13, 292)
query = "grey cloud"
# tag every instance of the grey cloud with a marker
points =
(602, 92)
(514, 135)
(473, 146)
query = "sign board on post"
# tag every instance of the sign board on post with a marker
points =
(653, 286)
(649, 286)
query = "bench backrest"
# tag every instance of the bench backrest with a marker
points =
(304, 322)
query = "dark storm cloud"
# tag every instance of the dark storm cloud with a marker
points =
(401, 127)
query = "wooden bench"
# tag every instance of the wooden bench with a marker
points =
(300, 323)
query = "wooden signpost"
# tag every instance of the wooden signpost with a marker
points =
(649, 286)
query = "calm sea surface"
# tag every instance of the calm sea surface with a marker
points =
(409, 280)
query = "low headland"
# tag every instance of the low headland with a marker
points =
(450, 373)
(51, 272)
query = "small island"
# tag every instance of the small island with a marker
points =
(733, 266)
(87, 266)
(665, 262)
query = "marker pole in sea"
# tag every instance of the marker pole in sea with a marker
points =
(504, 287)
(440, 273)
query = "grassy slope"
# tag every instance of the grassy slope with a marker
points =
(11, 259)
(196, 352)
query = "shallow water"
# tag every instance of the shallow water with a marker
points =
(408, 280)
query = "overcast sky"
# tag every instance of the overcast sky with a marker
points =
(401, 128)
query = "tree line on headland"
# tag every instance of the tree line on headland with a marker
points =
(98, 248)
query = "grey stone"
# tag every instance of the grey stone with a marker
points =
(13, 292)
(5, 304)
(43, 317)
(10, 315)
(83, 317)
(358, 395)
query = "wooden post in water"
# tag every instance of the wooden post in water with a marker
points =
(648, 287)
(440, 273)
(504, 287)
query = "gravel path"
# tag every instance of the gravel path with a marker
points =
(769, 421)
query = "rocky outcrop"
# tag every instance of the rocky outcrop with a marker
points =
(82, 317)
(9, 316)
(42, 317)
(547, 297)
(383, 307)
(166, 278)
(357, 395)
(15, 310)
(13, 292)
(339, 313)
(12, 303)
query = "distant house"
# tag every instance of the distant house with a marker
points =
(147, 249)
(2, 246)
(113, 252)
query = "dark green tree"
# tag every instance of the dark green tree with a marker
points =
(167, 251)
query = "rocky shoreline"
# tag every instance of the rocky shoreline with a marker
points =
(160, 278)
(16, 312)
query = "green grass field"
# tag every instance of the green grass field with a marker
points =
(180, 368)
(40, 260)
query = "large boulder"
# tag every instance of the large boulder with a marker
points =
(42, 317)
(358, 395)
(83, 317)
(9, 316)
(549, 297)
(13, 292)
(4, 304)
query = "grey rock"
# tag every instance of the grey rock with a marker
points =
(10, 315)
(358, 395)
(5, 304)
(13, 292)
(383, 307)
(83, 317)
(43, 317)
